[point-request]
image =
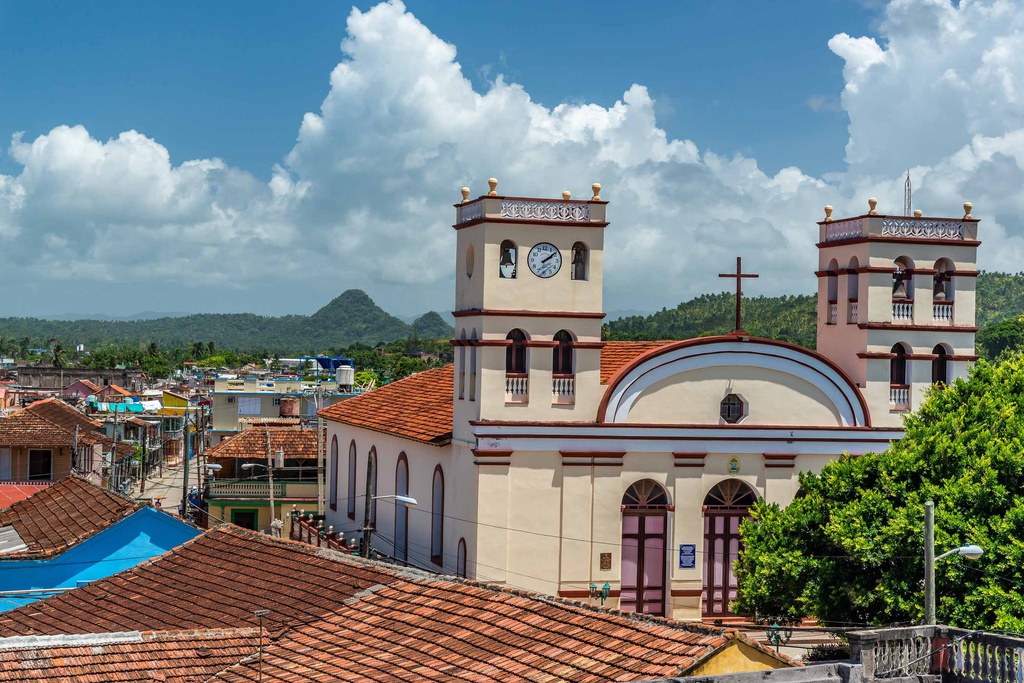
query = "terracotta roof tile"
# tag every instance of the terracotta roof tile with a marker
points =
(63, 514)
(120, 657)
(418, 407)
(617, 354)
(252, 443)
(333, 617)
(12, 493)
(213, 581)
(49, 422)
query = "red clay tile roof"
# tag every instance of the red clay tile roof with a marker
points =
(252, 443)
(49, 422)
(215, 580)
(418, 407)
(61, 515)
(12, 493)
(617, 354)
(334, 617)
(127, 657)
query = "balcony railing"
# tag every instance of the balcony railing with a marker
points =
(833, 312)
(940, 653)
(903, 310)
(245, 489)
(899, 397)
(308, 528)
(517, 388)
(563, 389)
(942, 311)
(853, 311)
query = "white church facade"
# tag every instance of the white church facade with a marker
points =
(547, 459)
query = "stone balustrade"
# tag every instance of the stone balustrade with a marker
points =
(517, 388)
(942, 311)
(902, 311)
(899, 397)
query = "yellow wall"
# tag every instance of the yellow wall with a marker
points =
(734, 658)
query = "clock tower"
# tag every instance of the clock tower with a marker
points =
(528, 308)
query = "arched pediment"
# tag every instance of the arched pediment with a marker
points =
(685, 383)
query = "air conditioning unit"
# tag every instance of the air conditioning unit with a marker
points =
(231, 399)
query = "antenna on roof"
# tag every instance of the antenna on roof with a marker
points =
(259, 647)
(907, 191)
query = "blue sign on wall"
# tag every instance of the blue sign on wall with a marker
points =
(687, 556)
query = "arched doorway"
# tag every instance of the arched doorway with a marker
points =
(644, 532)
(725, 506)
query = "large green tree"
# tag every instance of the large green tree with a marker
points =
(849, 549)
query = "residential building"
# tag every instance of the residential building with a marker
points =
(235, 400)
(549, 459)
(74, 532)
(242, 496)
(329, 616)
(80, 388)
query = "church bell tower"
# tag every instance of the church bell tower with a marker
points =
(896, 303)
(528, 308)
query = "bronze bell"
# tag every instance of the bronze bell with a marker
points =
(899, 289)
(506, 258)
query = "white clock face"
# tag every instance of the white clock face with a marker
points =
(544, 259)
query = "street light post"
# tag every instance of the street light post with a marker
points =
(971, 552)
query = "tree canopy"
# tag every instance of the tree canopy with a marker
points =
(849, 549)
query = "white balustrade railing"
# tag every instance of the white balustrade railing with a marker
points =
(470, 211)
(899, 397)
(853, 311)
(545, 211)
(844, 230)
(922, 228)
(902, 310)
(563, 386)
(517, 388)
(943, 311)
(833, 313)
(255, 489)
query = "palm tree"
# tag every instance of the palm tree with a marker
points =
(59, 356)
(198, 350)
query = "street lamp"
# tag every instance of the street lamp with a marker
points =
(275, 525)
(364, 549)
(970, 551)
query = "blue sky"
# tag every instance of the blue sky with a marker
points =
(743, 125)
(232, 79)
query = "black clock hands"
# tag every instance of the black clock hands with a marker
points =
(549, 257)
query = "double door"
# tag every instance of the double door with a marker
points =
(644, 561)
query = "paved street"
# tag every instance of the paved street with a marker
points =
(168, 488)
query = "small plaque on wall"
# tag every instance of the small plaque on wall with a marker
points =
(687, 556)
(606, 562)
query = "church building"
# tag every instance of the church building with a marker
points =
(618, 472)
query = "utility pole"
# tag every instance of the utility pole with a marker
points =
(321, 443)
(929, 563)
(142, 465)
(270, 481)
(371, 466)
(184, 464)
(74, 452)
(113, 458)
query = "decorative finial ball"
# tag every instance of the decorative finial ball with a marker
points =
(465, 194)
(872, 203)
(596, 187)
(918, 213)
(967, 210)
(566, 195)
(828, 213)
(493, 184)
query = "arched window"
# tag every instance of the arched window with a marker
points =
(832, 291)
(940, 365)
(515, 353)
(334, 472)
(462, 365)
(351, 504)
(460, 559)
(561, 363)
(942, 281)
(508, 260)
(902, 281)
(437, 518)
(898, 366)
(853, 289)
(579, 261)
(401, 511)
(472, 367)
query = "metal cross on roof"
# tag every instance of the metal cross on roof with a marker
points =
(739, 275)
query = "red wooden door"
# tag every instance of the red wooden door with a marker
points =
(644, 546)
(725, 507)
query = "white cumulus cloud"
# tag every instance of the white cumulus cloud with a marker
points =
(364, 197)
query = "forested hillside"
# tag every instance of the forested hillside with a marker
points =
(1000, 296)
(348, 319)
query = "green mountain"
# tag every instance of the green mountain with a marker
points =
(793, 318)
(350, 318)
